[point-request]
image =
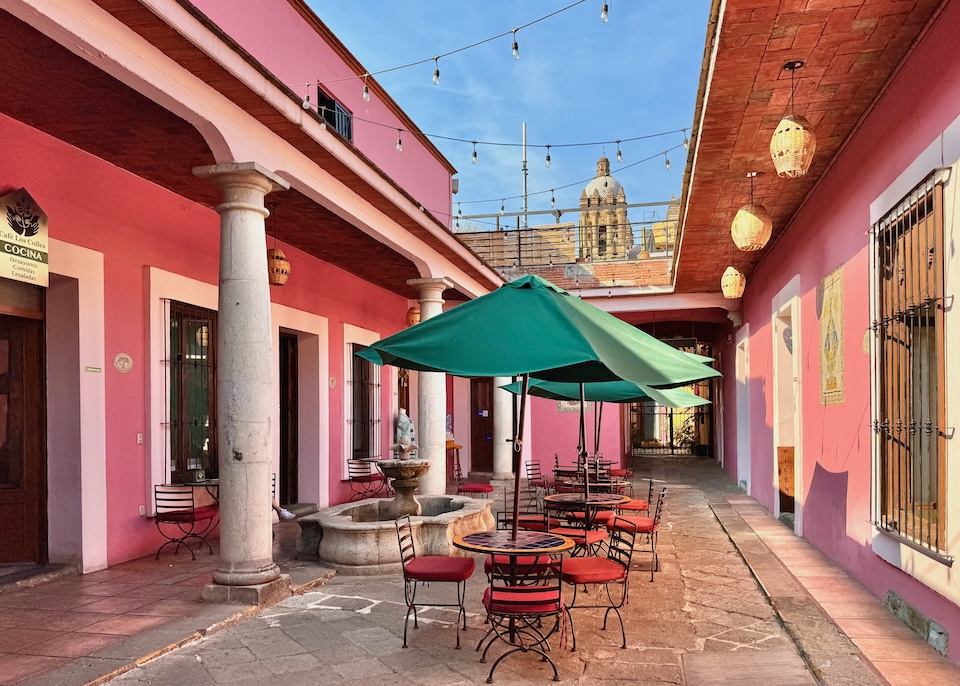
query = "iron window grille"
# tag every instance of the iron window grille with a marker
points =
(364, 420)
(335, 114)
(909, 408)
(190, 356)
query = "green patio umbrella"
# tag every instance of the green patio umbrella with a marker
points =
(532, 326)
(609, 391)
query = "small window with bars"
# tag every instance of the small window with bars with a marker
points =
(338, 116)
(363, 421)
(909, 411)
(190, 356)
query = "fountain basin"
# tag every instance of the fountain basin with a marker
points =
(360, 538)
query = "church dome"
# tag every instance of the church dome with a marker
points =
(603, 183)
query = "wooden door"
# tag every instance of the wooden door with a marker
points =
(289, 424)
(785, 477)
(22, 441)
(481, 425)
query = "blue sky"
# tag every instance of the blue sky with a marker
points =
(578, 80)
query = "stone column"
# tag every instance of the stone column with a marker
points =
(502, 430)
(247, 572)
(432, 398)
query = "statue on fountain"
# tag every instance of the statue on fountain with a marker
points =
(405, 436)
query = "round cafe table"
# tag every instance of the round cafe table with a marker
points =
(516, 635)
(590, 504)
(502, 543)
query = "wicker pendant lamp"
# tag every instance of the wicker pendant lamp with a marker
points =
(794, 143)
(752, 224)
(278, 267)
(732, 283)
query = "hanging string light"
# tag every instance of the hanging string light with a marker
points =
(604, 13)
(553, 200)
(366, 89)
(399, 140)
(473, 158)
(501, 205)
(306, 99)
(794, 143)
(436, 71)
(516, 47)
(619, 154)
(752, 225)
(459, 211)
(686, 141)
(547, 160)
(666, 161)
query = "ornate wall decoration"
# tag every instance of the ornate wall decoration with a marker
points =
(830, 314)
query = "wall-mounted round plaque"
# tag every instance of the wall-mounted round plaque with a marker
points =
(123, 363)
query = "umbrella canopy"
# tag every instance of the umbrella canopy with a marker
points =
(532, 326)
(609, 391)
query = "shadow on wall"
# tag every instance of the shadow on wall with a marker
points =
(828, 494)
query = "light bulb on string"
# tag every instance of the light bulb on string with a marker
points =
(399, 141)
(366, 89)
(604, 13)
(666, 161)
(306, 99)
(459, 211)
(516, 46)
(619, 154)
(436, 71)
(501, 205)
(686, 141)
(473, 158)
(553, 200)
(547, 160)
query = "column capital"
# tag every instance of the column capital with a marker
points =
(241, 172)
(431, 286)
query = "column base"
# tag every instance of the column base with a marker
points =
(255, 594)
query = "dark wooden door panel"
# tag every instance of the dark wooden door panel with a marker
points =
(481, 425)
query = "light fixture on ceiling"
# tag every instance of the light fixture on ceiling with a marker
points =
(732, 283)
(413, 316)
(794, 142)
(752, 225)
(278, 267)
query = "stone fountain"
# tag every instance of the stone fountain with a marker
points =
(361, 537)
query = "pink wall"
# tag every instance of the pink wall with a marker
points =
(134, 224)
(829, 231)
(280, 39)
(558, 432)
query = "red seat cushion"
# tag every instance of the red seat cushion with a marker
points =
(645, 525)
(635, 506)
(535, 523)
(439, 568)
(197, 514)
(528, 561)
(620, 472)
(515, 602)
(601, 517)
(592, 570)
(580, 536)
(475, 488)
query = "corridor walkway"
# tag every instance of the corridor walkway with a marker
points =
(724, 609)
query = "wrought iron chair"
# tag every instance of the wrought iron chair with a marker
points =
(178, 519)
(610, 571)
(648, 526)
(364, 481)
(469, 487)
(518, 600)
(638, 505)
(430, 568)
(536, 478)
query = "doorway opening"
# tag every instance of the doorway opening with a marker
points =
(288, 482)
(481, 425)
(786, 415)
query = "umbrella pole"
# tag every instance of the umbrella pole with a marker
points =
(518, 453)
(582, 448)
(596, 428)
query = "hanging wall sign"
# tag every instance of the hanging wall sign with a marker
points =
(23, 239)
